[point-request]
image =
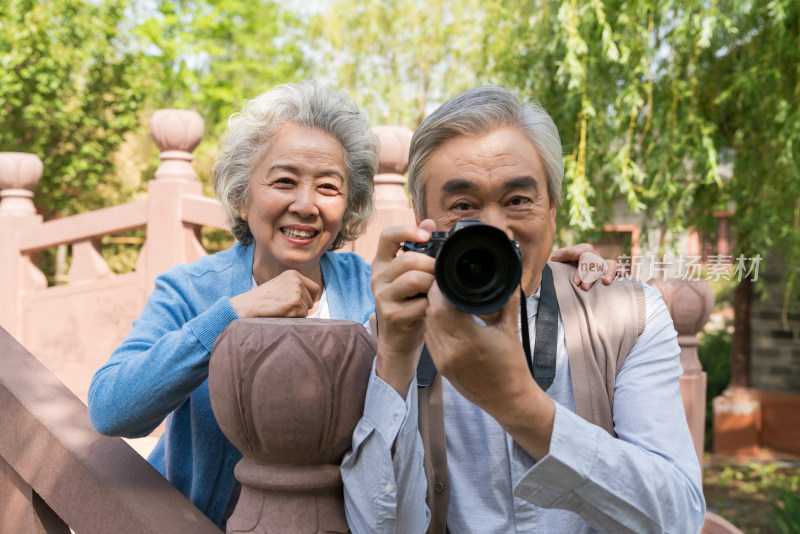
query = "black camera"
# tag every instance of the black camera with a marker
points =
(478, 267)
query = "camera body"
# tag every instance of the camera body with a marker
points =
(478, 267)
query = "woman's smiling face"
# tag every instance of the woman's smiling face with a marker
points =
(298, 195)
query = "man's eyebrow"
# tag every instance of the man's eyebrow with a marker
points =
(458, 184)
(521, 182)
(455, 185)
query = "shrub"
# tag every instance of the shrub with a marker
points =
(714, 352)
(785, 502)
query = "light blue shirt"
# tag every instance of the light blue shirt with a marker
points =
(648, 480)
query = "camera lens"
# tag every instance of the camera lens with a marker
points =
(478, 269)
(475, 268)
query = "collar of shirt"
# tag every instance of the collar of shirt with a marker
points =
(532, 302)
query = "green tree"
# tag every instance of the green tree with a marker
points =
(617, 78)
(751, 93)
(653, 99)
(210, 55)
(399, 59)
(70, 87)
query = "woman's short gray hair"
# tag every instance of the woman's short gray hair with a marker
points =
(252, 130)
(479, 111)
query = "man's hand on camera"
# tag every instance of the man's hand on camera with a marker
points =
(399, 285)
(486, 364)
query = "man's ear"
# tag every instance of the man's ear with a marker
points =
(553, 218)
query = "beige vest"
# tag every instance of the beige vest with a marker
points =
(599, 334)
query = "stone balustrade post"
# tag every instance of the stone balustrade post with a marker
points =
(690, 303)
(288, 394)
(19, 175)
(169, 241)
(392, 204)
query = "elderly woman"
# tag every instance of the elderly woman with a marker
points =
(295, 176)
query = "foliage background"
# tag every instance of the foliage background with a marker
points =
(674, 109)
(70, 89)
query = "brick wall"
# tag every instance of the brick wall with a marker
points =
(774, 349)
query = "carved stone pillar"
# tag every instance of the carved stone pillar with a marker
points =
(288, 394)
(19, 175)
(690, 303)
(170, 241)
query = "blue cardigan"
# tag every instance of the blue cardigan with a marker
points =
(161, 368)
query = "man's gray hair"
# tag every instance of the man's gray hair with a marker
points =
(478, 112)
(252, 131)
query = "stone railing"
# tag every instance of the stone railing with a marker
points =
(291, 409)
(690, 304)
(57, 473)
(73, 328)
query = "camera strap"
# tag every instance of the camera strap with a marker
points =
(542, 362)
(543, 366)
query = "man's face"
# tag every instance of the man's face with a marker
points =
(499, 179)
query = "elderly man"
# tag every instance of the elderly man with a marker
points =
(587, 434)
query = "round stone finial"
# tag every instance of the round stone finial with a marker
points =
(176, 132)
(20, 172)
(395, 143)
(690, 303)
(176, 129)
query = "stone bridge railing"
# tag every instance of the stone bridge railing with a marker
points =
(73, 328)
(57, 473)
